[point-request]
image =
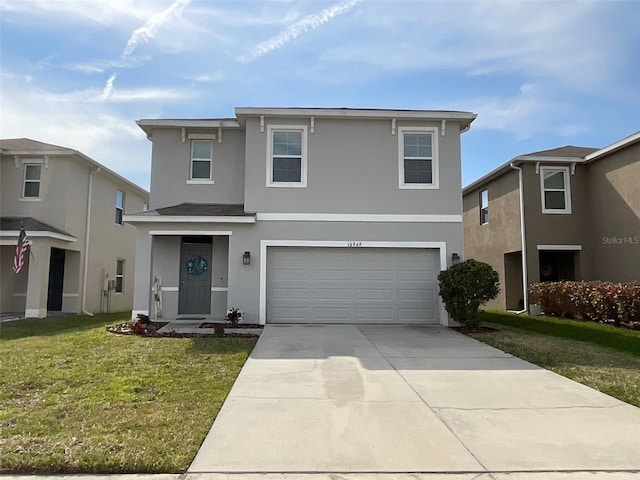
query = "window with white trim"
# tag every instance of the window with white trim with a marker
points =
(555, 190)
(32, 173)
(120, 275)
(201, 159)
(287, 156)
(119, 206)
(418, 157)
(145, 207)
(484, 207)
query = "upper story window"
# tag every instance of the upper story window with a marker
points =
(418, 157)
(119, 275)
(32, 174)
(287, 156)
(119, 206)
(201, 160)
(484, 207)
(145, 207)
(555, 191)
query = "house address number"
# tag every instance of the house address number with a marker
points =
(354, 244)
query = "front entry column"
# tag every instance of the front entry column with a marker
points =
(142, 282)
(38, 283)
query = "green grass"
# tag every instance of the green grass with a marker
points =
(75, 398)
(618, 338)
(603, 357)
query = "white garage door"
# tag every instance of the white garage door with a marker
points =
(352, 285)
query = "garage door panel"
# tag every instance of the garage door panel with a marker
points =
(331, 294)
(340, 285)
(372, 315)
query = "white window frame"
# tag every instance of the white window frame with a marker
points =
(201, 181)
(567, 190)
(303, 162)
(145, 207)
(485, 207)
(121, 276)
(31, 163)
(120, 208)
(435, 184)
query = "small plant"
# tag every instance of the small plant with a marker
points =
(234, 315)
(466, 286)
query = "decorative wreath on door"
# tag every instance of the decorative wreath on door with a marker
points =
(196, 266)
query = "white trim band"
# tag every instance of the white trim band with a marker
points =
(220, 233)
(559, 247)
(356, 217)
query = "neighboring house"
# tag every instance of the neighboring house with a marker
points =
(574, 211)
(81, 257)
(311, 215)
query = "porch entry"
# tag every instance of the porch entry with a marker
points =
(56, 280)
(195, 275)
(557, 265)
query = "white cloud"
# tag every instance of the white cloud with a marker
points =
(570, 42)
(94, 128)
(108, 88)
(524, 114)
(310, 22)
(150, 28)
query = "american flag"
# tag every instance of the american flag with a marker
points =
(21, 249)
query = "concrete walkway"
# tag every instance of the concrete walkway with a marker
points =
(347, 402)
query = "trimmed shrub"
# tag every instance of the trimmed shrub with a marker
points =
(596, 301)
(466, 286)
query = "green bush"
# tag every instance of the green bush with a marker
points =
(596, 301)
(466, 286)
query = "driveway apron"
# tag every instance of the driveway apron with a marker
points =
(395, 399)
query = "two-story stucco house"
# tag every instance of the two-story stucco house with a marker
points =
(81, 256)
(301, 215)
(573, 211)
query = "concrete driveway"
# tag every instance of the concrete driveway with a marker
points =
(387, 399)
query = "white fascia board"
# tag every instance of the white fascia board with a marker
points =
(613, 147)
(357, 113)
(148, 125)
(356, 217)
(193, 123)
(34, 234)
(135, 219)
(542, 158)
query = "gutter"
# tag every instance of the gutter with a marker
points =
(86, 243)
(525, 280)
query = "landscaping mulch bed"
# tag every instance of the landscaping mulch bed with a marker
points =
(127, 328)
(229, 325)
(150, 329)
(480, 329)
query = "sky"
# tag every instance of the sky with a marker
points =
(539, 74)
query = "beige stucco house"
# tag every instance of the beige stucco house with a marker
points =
(82, 253)
(301, 215)
(570, 213)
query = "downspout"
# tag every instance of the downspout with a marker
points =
(525, 280)
(86, 244)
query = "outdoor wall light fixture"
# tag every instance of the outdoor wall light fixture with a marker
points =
(455, 258)
(246, 258)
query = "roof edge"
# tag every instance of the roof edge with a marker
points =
(634, 137)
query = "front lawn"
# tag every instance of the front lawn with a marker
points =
(603, 357)
(75, 398)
